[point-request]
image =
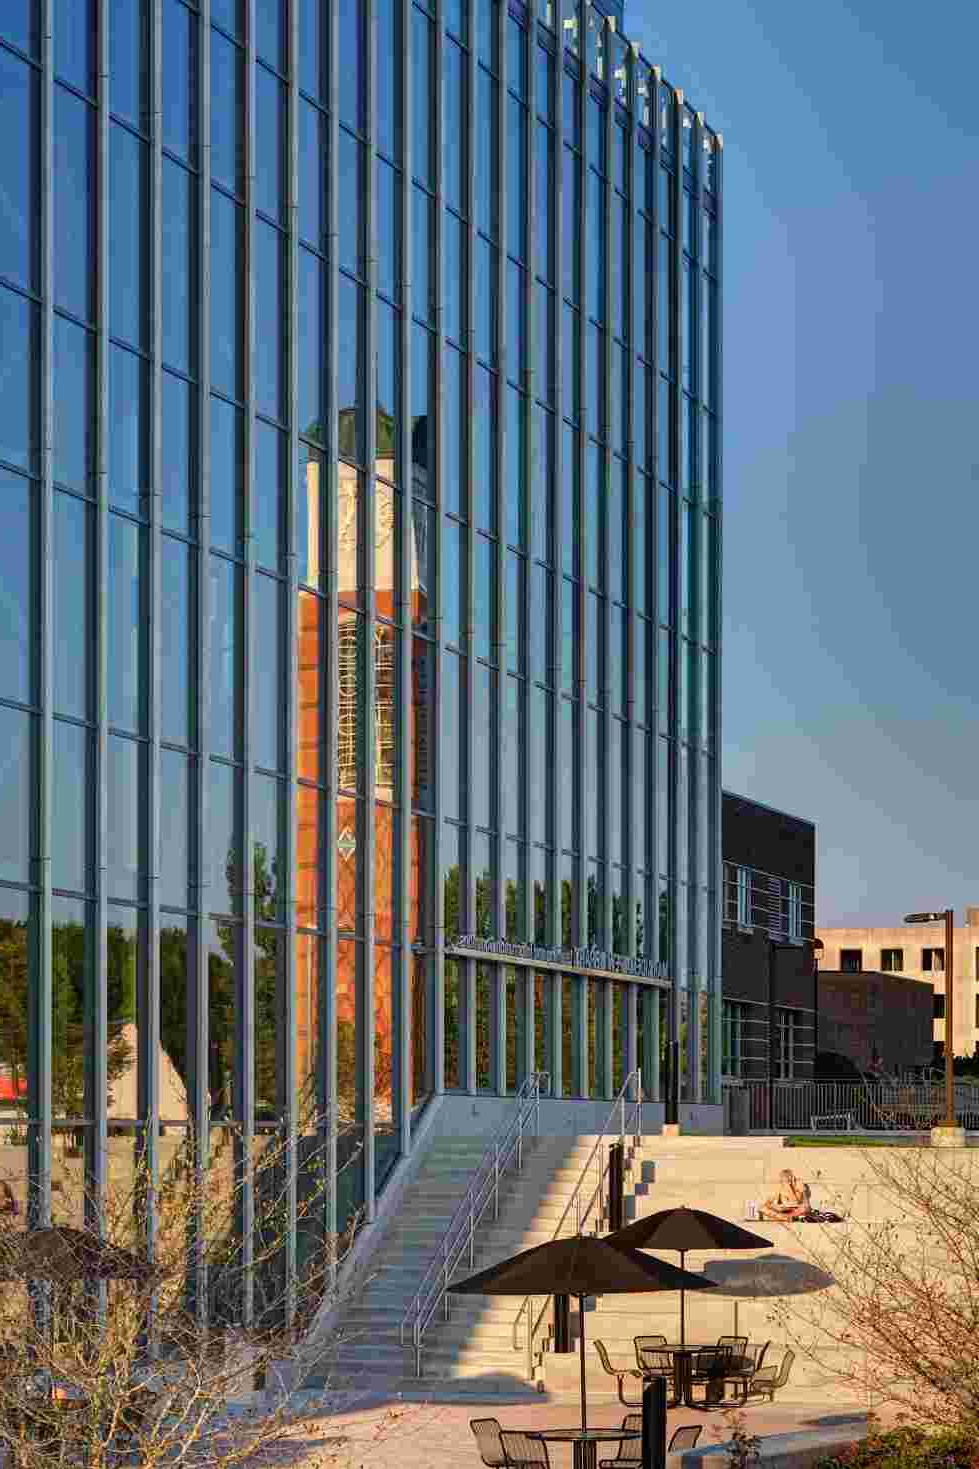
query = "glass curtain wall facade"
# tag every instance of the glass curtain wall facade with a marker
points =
(360, 461)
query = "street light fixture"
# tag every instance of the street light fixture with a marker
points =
(948, 916)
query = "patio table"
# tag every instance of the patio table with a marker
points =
(683, 1355)
(584, 1441)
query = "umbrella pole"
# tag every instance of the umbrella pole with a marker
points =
(581, 1348)
(683, 1305)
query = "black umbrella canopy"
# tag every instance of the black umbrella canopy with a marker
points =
(62, 1254)
(687, 1229)
(581, 1265)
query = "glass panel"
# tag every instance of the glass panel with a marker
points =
(350, 1141)
(73, 244)
(385, 1141)
(175, 639)
(128, 243)
(387, 227)
(269, 1007)
(71, 778)
(267, 674)
(18, 380)
(484, 448)
(71, 967)
(485, 980)
(453, 125)
(71, 606)
(74, 430)
(125, 804)
(481, 812)
(224, 956)
(226, 114)
(129, 415)
(16, 795)
(18, 171)
(179, 276)
(310, 731)
(421, 62)
(451, 755)
(221, 840)
(17, 587)
(175, 815)
(312, 196)
(227, 476)
(454, 412)
(351, 393)
(269, 142)
(350, 23)
(267, 865)
(268, 360)
(127, 618)
(226, 293)
(312, 60)
(309, 850)
(569, 1038)
(452, 881)
(421, 1079)
(453, 277)
(307, 512)
(350, 188)
(453, 1024)
(385, 901)
(422, 723)
(225, 692)
(307, 1001)
(177, 449)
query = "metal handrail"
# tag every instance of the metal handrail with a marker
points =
(573, 1206)
(460, 1234)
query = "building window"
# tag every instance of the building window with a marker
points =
(932, 959)
(977, 998)
(795, 910)
(776, 918)
(938, 1007)
(891, 961)
(851, 961)
(787, 1052)
(733, 1018)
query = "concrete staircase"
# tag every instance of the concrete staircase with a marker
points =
(472, 1353)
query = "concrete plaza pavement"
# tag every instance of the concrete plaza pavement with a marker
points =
(374, 1432)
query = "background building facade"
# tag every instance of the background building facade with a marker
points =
(769, 976)
(880, 1023)
(360, 457)
(919, 953)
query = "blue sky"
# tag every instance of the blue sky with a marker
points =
(851, 676)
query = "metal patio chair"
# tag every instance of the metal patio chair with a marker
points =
(767, 1381)
(630, 1449)
(524, 1452)
(684, 1437)
(619, 1373)
(487, 1433)
(740, 1376)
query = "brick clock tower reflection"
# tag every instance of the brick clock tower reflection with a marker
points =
(350, 778)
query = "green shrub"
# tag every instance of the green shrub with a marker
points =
(910, 1448)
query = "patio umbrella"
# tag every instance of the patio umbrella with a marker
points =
(765, 1277)
(581, 1266)
(62, 1255)
(683, 1230)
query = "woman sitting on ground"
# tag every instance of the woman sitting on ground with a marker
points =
(792, 1199)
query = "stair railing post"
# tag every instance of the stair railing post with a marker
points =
(496, 1181)
(472, 1232)
(520, 1141)
(639, 1102)
(445, 1283)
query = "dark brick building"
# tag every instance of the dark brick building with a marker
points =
(767, 962)
(878, 1021)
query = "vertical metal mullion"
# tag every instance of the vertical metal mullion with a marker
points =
(366, 841)
(696, 863)
(244, 1077)
(501, 15)
(468, 500)
(675, 925)
(328, 1067)
(198, 1010)
(96, 991)
(291, 1084)
(581, 984)
(526, 405)
(435, 593)
(148, 1040)
(554, 490)
(402, 1031)
(607, 1072)
(659, 798)
(635, 772)
(40, 991)
(716, 713)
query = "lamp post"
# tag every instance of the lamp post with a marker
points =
(947, 1131)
